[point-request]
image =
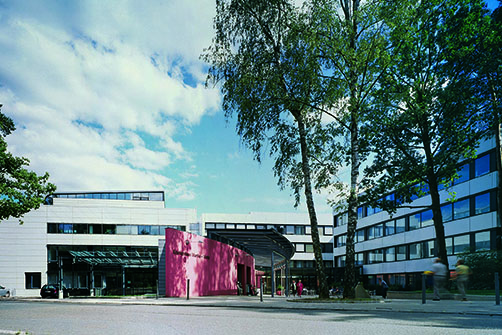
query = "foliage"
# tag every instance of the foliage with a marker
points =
(483, 265)
(21, 190)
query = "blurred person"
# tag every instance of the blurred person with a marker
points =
(439, 272)
(462, 273)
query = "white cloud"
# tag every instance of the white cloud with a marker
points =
(90, 105)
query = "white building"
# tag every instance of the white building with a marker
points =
(100, 239)
(400, 247)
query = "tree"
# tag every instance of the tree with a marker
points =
(430, 110)
(270, 81)
(21, 190)
(353, 42)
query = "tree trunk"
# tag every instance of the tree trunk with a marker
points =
(323, 285)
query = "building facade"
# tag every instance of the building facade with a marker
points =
(400, 247)
(107, 241)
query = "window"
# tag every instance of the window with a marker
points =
(449, 245)
(414, 221)
(309, 247)
(340, 261)
(390, 254)
(144, 230)
(65, 228)
(328, 231)
(95, 229)
(375, 256)
(359, 259)
(300, 247)
(482, 166)
(463, 174)
(482, 241)
(210, 225)
(308, 229)
(461, 244)
(52, 228)
(461, 209)
(427, 218)
(447, 212)
(326, 248)
(230, 226)
(415, 250)
(300, 230)
(429, 250)
(401, 253)
(342, 219)
(482, 203)
(341, 240)
(390, 228)
(400, 225)
(360, 235)
(360, 212)
(241, 226)
(370, 232)
(328, 264)
(110, 229)
(33, 280)
(220, 226)
(379, 230)
(79, 229)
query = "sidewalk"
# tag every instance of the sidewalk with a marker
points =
(471, 307)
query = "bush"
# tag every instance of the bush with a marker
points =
(483, 265)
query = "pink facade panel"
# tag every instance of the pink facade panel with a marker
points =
(212, 267)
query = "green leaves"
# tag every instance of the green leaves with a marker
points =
(21, 190)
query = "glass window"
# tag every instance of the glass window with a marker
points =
(155, 230)
(133, 230)
(250, 226)
(308, 230)
(144, 230)
(390, 254)
(340, 261)
(65, 228)
(400, 225)
(230, 225)
(461, 209)
(375, 256)
(360, 235)
(156, 196)
(241, 226)
(300, 230)
(120, 196)
(369, 210)
(52, 228)
(401, 253)
(415, 250)
(463, 174)
(429, 249)
(342, 219)
(461, 244)
(79, 228)
(210, 225)
(360, 212)
(128, 196)
(113, 196)
(370, 232)
(220, 226)
(449, 245)
(122, 230)
(309, 247)
(390, 228)
(379, 230)
(33, 280)
(300, 247)
(320, 231)
(359, 258)
(482, 165)
(415, 221)
(447, 212)
(110, 229)
(427, 218)
(328, 231)
(482, 203)
(341, 240)
(95, 229)
(105, 196)
(482, 240)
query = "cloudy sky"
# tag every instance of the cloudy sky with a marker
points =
(109, 95)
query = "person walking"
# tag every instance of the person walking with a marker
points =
(299, 288)
(462, 273)
(439, 271)
(293, 288)
(385, 288)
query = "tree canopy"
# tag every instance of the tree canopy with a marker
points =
(21, 190)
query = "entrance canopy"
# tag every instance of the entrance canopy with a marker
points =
(122, 258)
(260, 243)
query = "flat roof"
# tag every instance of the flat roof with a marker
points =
(261, 243)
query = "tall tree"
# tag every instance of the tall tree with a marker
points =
(353, 42)
(430, 111)
(21, 190)
(269, 81)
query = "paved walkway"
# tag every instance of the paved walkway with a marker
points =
(474, 306)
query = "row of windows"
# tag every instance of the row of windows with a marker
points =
(309, 264)
(454, 245)
(54, 250)
(475, 205)
(283, 229)
(474, 169)
(97, 228)
(309, 247)
(146, 196)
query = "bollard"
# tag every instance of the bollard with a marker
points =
(157, 291)
(423, 289)
(261, 289)
(188, 289)
(497, 289)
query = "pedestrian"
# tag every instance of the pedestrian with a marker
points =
(293, 288)
(299, 288)
(385, 288)
(439, 271)
(462, 273)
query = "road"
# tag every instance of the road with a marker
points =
(60, 318)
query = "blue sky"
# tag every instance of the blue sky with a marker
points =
(109, 95)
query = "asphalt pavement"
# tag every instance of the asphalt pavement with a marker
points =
(474, 305)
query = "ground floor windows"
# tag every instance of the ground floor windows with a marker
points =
(33, 280)
(482, 241)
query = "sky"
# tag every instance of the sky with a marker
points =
(110, 96)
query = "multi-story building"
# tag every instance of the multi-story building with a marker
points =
(108, 241)
(296, 228)
(400, 247)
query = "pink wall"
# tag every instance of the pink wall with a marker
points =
(211, 266)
